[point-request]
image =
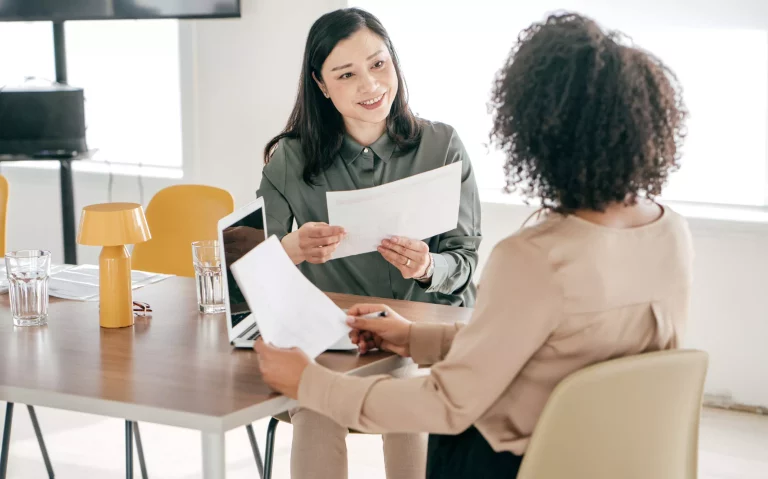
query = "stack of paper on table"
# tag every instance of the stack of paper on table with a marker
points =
(289, 310)
(417, 207)
(81, 283)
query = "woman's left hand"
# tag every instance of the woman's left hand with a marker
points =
(411, 257)
(280, 368)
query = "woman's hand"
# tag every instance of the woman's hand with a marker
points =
(313, 242)
(281, 369)
(411, 257)
(391, 332)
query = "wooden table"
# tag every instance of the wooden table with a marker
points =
(175, 367)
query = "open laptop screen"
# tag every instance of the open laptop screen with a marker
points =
(239, 238)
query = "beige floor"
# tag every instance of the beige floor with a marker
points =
(83, 446)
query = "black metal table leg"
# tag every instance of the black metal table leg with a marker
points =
(128, 450)
(40, 441)
(140, 450)
(255, 448)
(6, 440)
(269, 451)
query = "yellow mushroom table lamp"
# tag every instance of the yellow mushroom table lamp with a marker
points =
(112, 226)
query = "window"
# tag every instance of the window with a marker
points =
(450, 52)
(129, 71)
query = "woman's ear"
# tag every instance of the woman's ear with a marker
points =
(320, 85)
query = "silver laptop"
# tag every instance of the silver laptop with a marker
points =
(248, 226)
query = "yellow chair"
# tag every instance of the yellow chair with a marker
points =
(177, 216)
(630, 418)
(3, 212)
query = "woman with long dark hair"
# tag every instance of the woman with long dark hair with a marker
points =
(352, 128)
(591, 127)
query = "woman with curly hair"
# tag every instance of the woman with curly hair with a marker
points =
(591, 128)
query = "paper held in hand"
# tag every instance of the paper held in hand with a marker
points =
(289, 310)
(417, 207)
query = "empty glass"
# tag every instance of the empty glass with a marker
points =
(210, 288)
(28, 272)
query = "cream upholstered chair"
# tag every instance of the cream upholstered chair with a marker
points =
(631, 418)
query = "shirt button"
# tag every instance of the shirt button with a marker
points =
(365, 150)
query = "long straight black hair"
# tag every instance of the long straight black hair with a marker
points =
(315, 121)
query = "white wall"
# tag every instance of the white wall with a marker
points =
(238, 85)
(247, 77)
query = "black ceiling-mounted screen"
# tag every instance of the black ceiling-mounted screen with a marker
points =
(62, 10)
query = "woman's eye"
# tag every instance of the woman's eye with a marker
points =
(378, 64)
(345, 76)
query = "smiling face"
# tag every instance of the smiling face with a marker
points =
(360, 79)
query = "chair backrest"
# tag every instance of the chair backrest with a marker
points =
(631, 418)
(177, 216)
(3, 212)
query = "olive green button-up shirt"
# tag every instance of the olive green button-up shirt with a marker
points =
(288, 197)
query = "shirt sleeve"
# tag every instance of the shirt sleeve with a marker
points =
(430, 342)
(272, 189)
(456, 255)
(518, 308)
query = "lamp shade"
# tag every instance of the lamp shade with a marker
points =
(113, 224)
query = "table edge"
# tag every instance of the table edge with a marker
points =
(171, 417)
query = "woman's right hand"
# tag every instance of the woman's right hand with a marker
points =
(391, 332)
(313, 242)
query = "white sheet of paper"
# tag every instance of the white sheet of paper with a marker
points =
(289, 310)
(417, 207)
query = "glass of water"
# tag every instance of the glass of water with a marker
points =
(210, 288)
(28, 272)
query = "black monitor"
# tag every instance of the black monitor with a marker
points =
(63, 10)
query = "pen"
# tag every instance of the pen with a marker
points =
(380, 314)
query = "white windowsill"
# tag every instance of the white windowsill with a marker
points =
(702, 217)
(102, 168)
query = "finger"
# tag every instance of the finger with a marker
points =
(322, 250)
(411, 244)
(321, 241)
(321, 254)
(367, 337)
(265, 349)
(373, 325)
(403, 251)
(320, 230)
(394, 258)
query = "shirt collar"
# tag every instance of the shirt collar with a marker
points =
(383, 148)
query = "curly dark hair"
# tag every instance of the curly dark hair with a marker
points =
(585, 120)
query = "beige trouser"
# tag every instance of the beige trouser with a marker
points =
(319, 449)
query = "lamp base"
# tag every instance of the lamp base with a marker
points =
(115, 294)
